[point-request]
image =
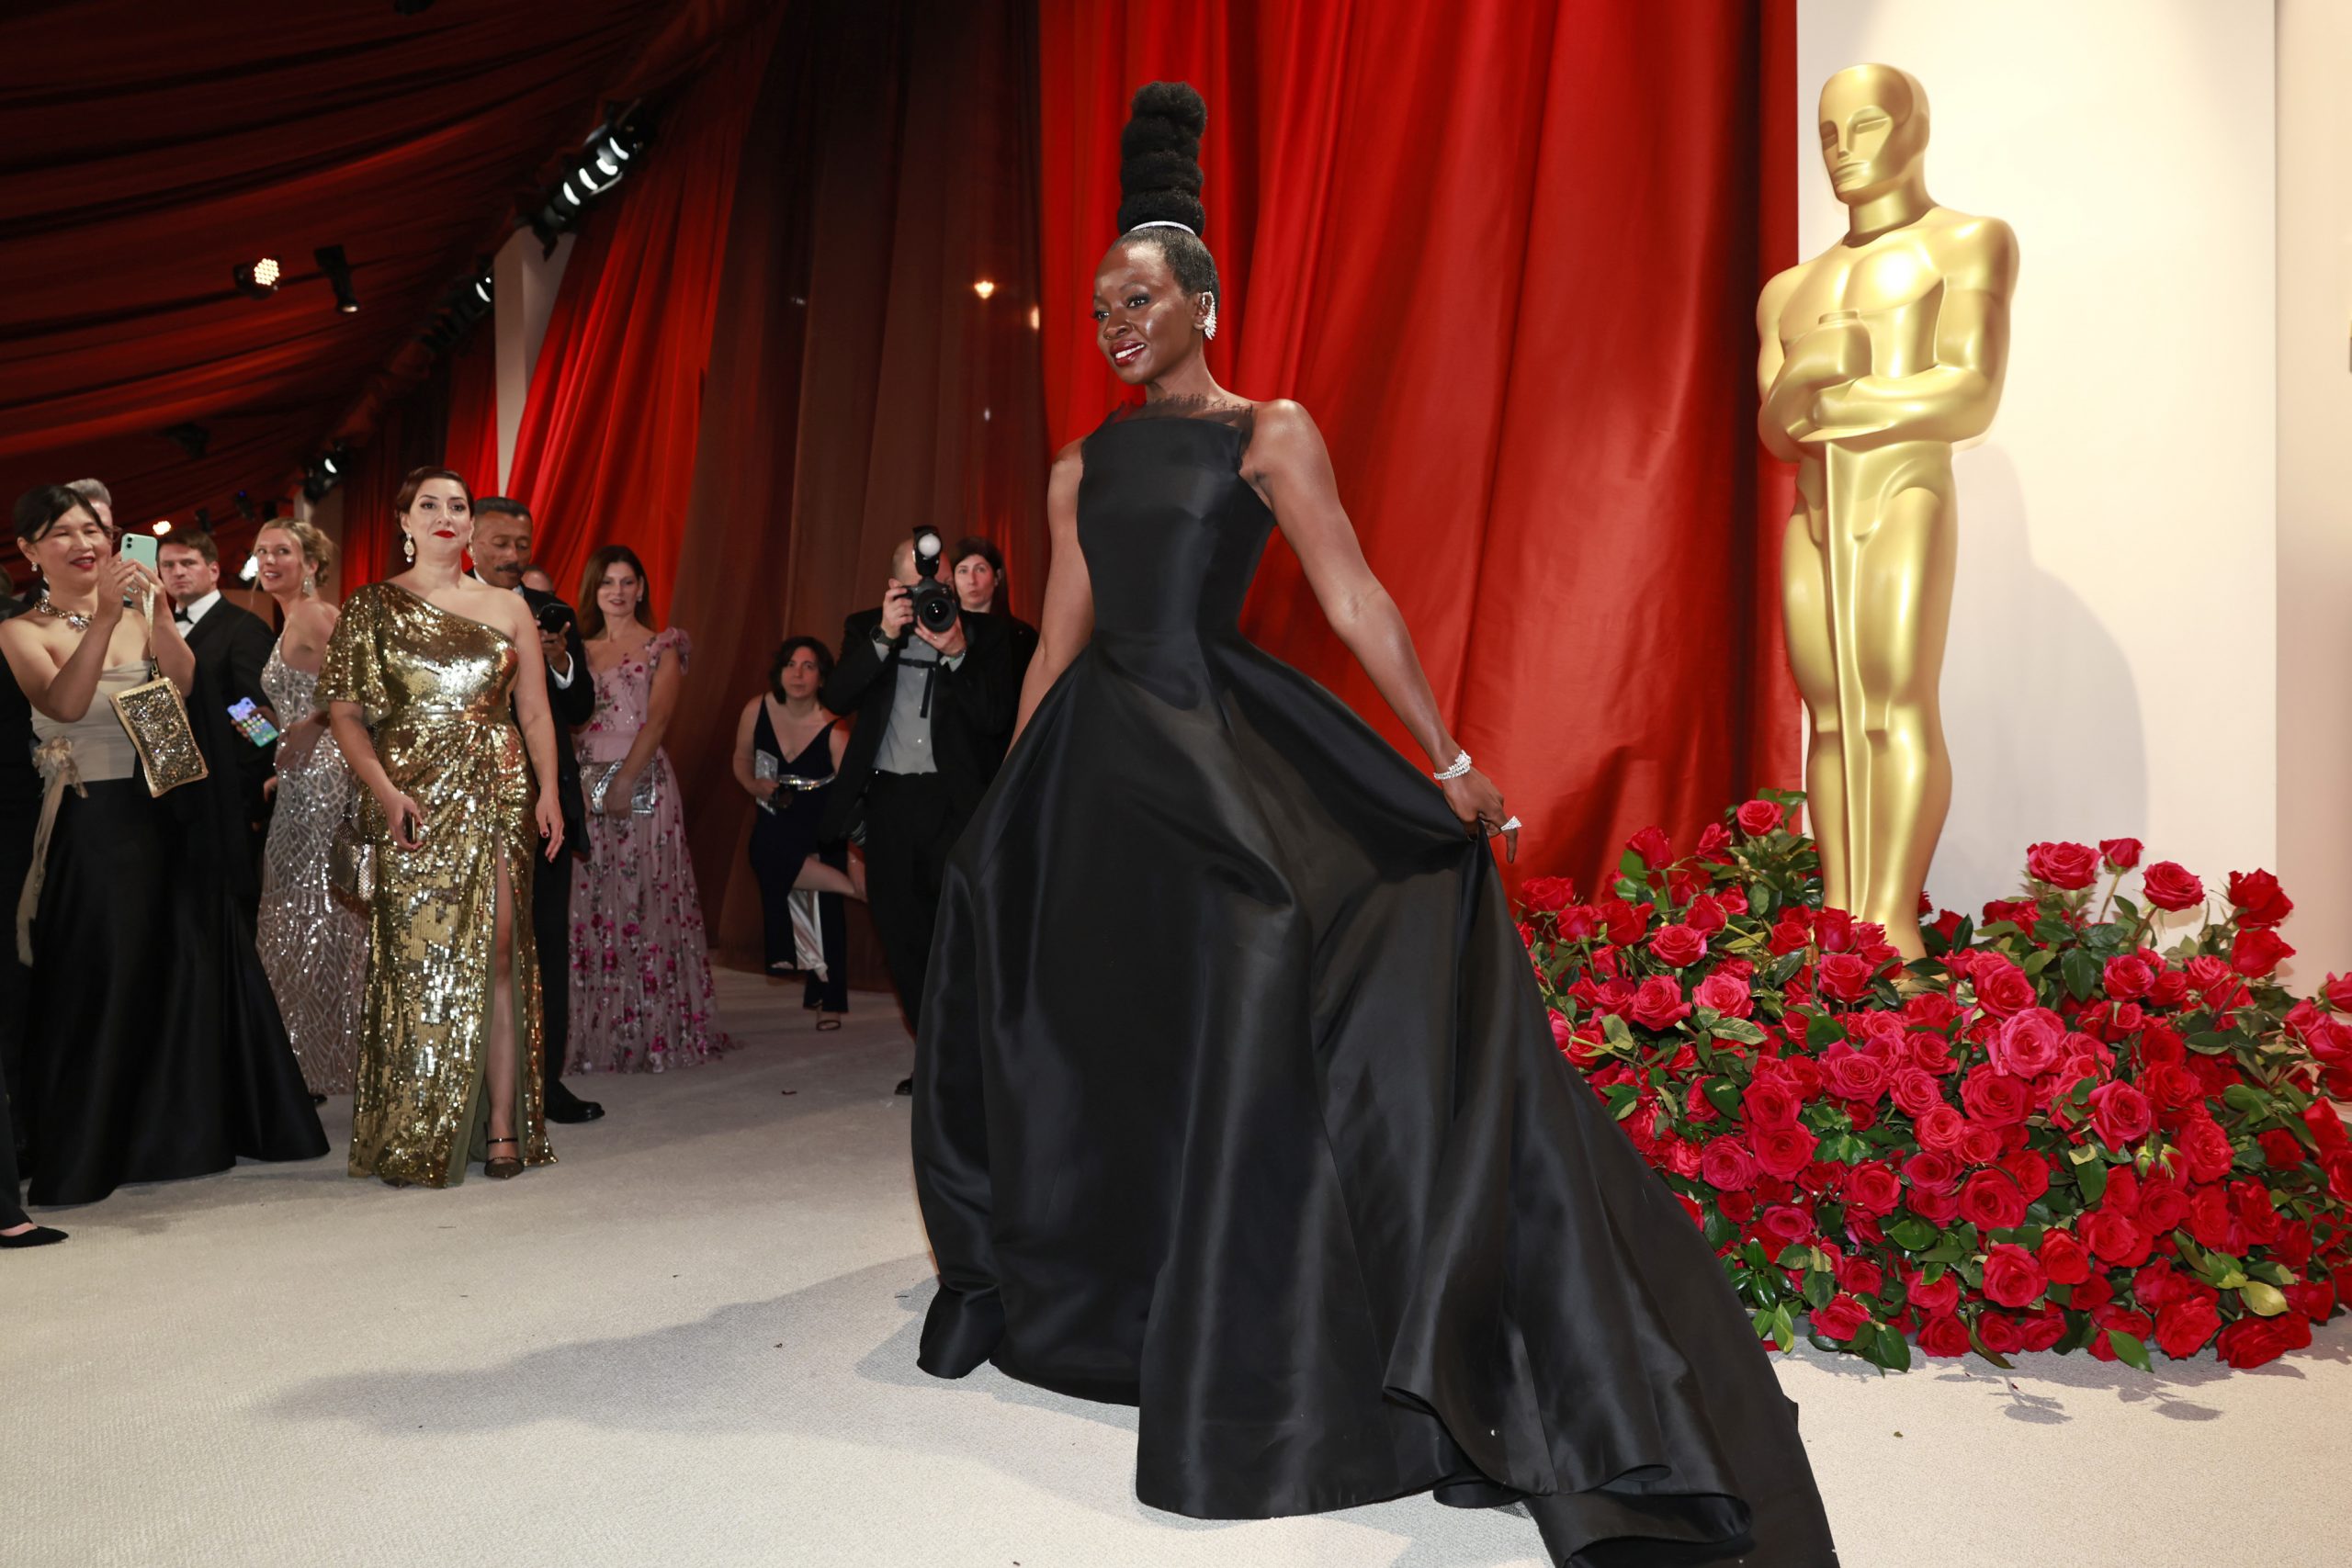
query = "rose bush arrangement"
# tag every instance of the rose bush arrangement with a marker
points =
(2048, 1134)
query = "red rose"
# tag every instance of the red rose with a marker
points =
(2171, 886)
(2163, 1205)
(1979, 1144)
(1784, 1151)
(1580, 922)
(2063, 1259)
(1714, 840)
(2042, 1329)
(1994, 1098)
(2029, 1043)
(2121, 1115)
(2000, 1333)
(1916, 1093)
(1625, 924)
(1769, 1102)
(2031, 1171)
(2170, 989)
(2158, 1285)
(2256, 1341)
(1944, 1337)
(1758, 817)
(2338, 991)
(1651, 845)
(1852, 1075)
(2326, 1126)
(2069, 866)
(1941, 1129)
(1659, 1003)
(1706, 915)
(2258, 952)
(2119, 1320)
(1938, 1300)
(1677, 947)
(1864, 1277)
(2011, 1276)
(1845, 977)
(1991, 1202)
(2212, 1221)
(2129, 975)
(1874, 1188)
(2115, 1238)
(2259, 899)
(1932, 1170)
(1547, 894)
(1842, 1319)
(1728, 996)
(2280, 1149)
(2001, 986)
(2092, 1293)
(2120, 854)
(1785, 1224)
(2315, 1299)
(2205, 1148)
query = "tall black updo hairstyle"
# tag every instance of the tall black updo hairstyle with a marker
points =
(1160, 180)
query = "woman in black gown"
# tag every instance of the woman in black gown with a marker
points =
(1234, 1099)
(154, 1047)
(791, 779)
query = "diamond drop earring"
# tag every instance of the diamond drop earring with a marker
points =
(408, 545)
(1208, 328)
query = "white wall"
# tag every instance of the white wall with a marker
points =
(2112, 670)
(523, 285)
(2315, 479)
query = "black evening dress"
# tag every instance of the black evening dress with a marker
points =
(1235, 1100)
(782, 842)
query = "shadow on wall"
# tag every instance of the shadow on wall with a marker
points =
(2040, 710)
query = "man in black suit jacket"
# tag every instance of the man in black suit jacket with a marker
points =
(934, 711)
(231, 644)
(502, 548)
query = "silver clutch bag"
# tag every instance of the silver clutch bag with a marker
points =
(599, 778)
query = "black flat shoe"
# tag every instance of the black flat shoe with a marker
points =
(39, 1235)
(906, 1085)
(573, 1109)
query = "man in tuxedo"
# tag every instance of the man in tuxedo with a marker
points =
(933, 710)
(501, 551)
(231, 644)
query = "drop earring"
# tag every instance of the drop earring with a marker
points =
(1208, 328)
(408, 545)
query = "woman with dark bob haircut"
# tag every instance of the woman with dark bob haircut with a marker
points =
(788, 749)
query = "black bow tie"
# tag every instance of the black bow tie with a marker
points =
(182, 617)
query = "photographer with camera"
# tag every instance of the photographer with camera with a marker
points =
(933, 694)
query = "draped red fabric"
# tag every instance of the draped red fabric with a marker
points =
(451, 422)
(146, 150)
(471, 447)
(605, 452)
(1523, 316)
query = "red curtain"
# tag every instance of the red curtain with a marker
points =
(471, 447)
(451, 422)
(605, 452)
(1507, 254)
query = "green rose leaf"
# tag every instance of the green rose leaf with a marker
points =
(1738, 1029)
(2080, 970)
(2128, 1349)
(2263, 1301)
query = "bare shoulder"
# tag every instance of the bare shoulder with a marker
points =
(313, 620)
(502, 608)
(1285, 442)
(1061, 483)
(1068, 464)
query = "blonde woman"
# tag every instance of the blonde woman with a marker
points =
(314, 947)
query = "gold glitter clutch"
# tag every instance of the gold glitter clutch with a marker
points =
(156, 719)
(351, 862)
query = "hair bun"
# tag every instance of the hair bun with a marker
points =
(1159, 157)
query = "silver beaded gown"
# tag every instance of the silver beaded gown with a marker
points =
(314, 949)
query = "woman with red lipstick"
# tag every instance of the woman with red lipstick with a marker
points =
(1234, 1097)
(417, 685)
(153, 1048)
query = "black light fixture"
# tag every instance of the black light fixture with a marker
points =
(591, 172)
(191, 437)
(462, 305)
(257, 279)
(325, 471)
(337, 266)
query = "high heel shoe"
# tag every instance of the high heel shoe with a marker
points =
(505, 1168)
(39, 1235)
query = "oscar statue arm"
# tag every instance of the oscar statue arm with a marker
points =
(1954, 399)
(1788, 393)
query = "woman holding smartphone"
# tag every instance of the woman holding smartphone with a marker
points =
(153, 1047)
(417, 684)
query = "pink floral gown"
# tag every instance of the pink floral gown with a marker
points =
(640, 964)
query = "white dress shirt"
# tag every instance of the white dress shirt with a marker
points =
(194, 609)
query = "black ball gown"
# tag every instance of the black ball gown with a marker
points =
(1235, 1100)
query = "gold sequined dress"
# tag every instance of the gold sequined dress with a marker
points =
(314, 947)
(436, 687)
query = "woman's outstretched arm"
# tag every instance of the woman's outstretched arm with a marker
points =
(1069, 618)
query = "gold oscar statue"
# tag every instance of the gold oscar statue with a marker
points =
(1877, 356)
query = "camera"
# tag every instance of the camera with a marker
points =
(935, 601)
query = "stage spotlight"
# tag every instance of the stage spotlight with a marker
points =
(326, 471)
(1034, 321)
(337, 267)
(984, 288)
(190, 437)
(163, 527)
(257, 280)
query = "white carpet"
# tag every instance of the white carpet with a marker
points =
(692, 1342)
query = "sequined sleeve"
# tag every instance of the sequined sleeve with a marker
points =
(353, 670)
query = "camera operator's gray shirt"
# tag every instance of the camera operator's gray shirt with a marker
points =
(906, 741)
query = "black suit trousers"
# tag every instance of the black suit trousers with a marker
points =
(552, 931)
(910, 828)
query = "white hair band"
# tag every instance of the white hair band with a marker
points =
(1168, 223)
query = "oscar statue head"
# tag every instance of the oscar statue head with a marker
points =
(1874, 132)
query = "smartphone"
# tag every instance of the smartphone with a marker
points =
(251, 722)
(140, 548)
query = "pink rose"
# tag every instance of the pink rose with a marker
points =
(2029, 1043)
(2001, 986)
(1728, 996)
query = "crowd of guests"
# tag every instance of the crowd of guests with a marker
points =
(326, 894)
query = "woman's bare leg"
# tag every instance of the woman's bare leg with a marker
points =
(500, 1068)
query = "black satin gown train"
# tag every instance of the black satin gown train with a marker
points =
(1235, 1100)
